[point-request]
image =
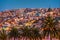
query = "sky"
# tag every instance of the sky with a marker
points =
(15, 4)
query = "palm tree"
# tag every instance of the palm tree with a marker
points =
(49, 27)
(26, 32)
(3, 35)
(14, 33)
(59, 33)
(58, 29)
(36, 33)
(31, 33)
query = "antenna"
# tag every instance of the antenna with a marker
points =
(49, 4)
(49, 9)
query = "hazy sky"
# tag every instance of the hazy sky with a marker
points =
(13, 4)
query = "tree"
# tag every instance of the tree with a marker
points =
(59, 33)
(36, 33)
(3, 35)
(49, 27)
(26, 32)
(14, 33)
(49, 9)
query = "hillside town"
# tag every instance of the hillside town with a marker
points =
(28, 17)
(24, 15)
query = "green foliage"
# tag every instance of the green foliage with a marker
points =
(3, 34)
(14, 33)
(50, 27)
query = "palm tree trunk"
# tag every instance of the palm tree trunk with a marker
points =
(59, 37)
(3, 39)
(23, 38)
(14, 38)
(50, 37)
(19, 38)
(40, 38)
(8, 38)
(35, 38)
(32, 38)
(29, 38)
(26, 38)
